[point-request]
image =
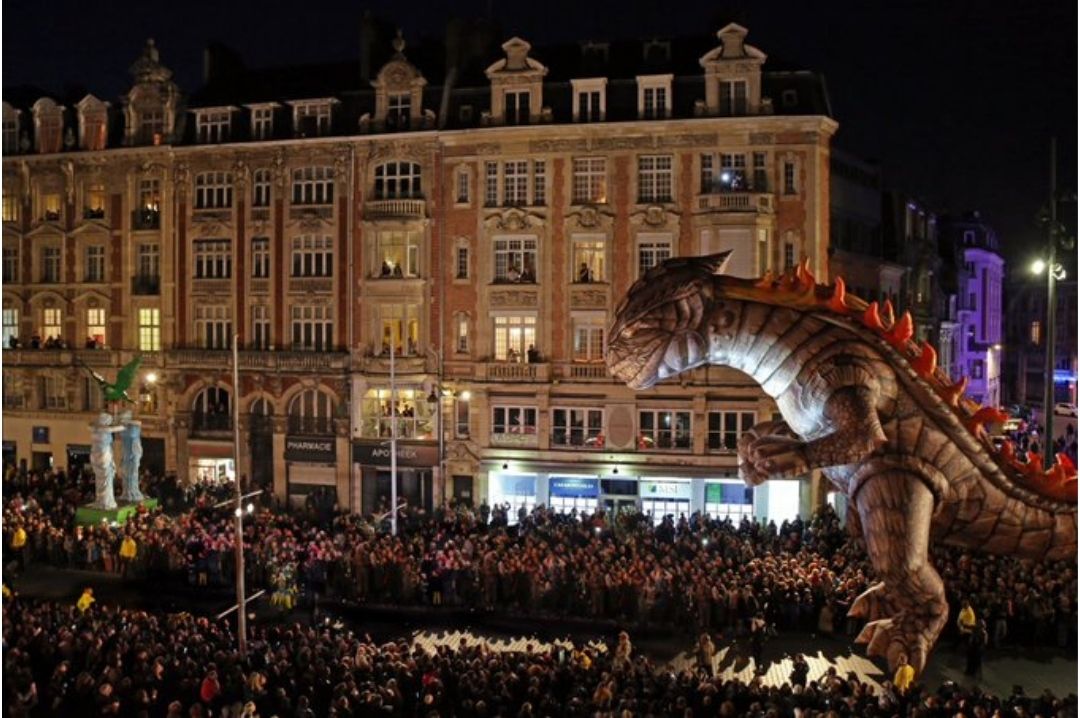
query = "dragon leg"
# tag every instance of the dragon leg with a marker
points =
(747, 470)
(850, 411)
(907, 610)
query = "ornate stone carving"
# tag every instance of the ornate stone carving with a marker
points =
(513, 298)
(588, 299)
(692, 140)
(623, 143)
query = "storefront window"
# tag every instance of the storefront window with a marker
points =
(414, 415)
(517, 490)
(569, 493)
(212, 471)
(729, 500)
(665, 498)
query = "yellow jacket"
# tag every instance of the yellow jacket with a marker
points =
(966, 620)
(85, 601)
(128, 548)
(905, 674)
(19, 539)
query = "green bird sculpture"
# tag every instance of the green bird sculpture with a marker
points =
(116, 391)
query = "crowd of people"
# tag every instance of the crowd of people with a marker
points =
(97, 660)
(698, 574)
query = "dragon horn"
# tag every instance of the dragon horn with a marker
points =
(887, 314)
(837, 302)
(872, 319)
(953, 392)
(926, 362)
(766, 281)
(1066, 464)
(900, 331)
(804, 275)
(1008, 451)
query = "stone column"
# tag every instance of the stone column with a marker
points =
(102, 433)
(131, 440)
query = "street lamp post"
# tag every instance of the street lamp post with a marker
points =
(241, 604)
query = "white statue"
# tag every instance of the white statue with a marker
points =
(101, 460)
(131, 441)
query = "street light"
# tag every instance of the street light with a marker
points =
(1054, 274)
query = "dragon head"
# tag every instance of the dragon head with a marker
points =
(672, 320)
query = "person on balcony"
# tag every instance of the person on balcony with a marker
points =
(528, 276)
(533, 354)
(387, 270)
(397, 271)
(512, 355)
(584, 274)
(513, 274)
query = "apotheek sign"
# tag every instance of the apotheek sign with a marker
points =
(378, 454)
(310, 448)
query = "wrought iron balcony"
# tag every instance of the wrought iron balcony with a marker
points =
(146, 219)
(205, 423)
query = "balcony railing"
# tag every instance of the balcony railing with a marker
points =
(576, 438)
(578, 371)
(89, 213)
(761, 203)
(60, 357)
(202, 422)
(515, 371)
(146, 219)
(284, 360)
(144, 286)
(395, 209)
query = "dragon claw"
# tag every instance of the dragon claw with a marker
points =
(869, 602)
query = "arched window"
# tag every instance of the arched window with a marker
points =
(311, 412)
(397, 180)
(261, 416)
(212, 410)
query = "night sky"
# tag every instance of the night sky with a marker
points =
(957, 100)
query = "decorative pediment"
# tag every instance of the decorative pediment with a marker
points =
(92, 226)
(654, 216)
(514, 220)
(46, 230)
(591, 217)
(732, 47)
(309, 220)
(398, 74)
(517, 61)
(93, 298)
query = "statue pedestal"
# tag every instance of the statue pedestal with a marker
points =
(89, 515)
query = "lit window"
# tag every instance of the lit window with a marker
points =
(11, 327)
(588, 260)
(398, 112)
(151, 127)
(515, 259)
(1036, 332)
(149, 329)
(399, 254)
(462, 334)
(52, 321)
(400, 328)
(11, 206)
(50, 206)
(590, 180)
(95, 202)
(95, 325)
(514, 335)
(588, 338)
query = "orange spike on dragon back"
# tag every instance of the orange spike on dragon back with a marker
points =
(799, 289)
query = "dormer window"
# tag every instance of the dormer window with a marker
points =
(151, 127)
(262, 122)
(213, 125)
(654, 97)
(11, 130)
(93, 123)
(516, 110)
(49, 125)
(590, 103)
(733, 98)
(399, 107)
(312, 119)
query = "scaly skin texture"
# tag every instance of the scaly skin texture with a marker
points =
(866, 406)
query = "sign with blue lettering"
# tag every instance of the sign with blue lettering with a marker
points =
(574, 487)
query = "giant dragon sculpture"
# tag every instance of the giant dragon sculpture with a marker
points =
(869, 407)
